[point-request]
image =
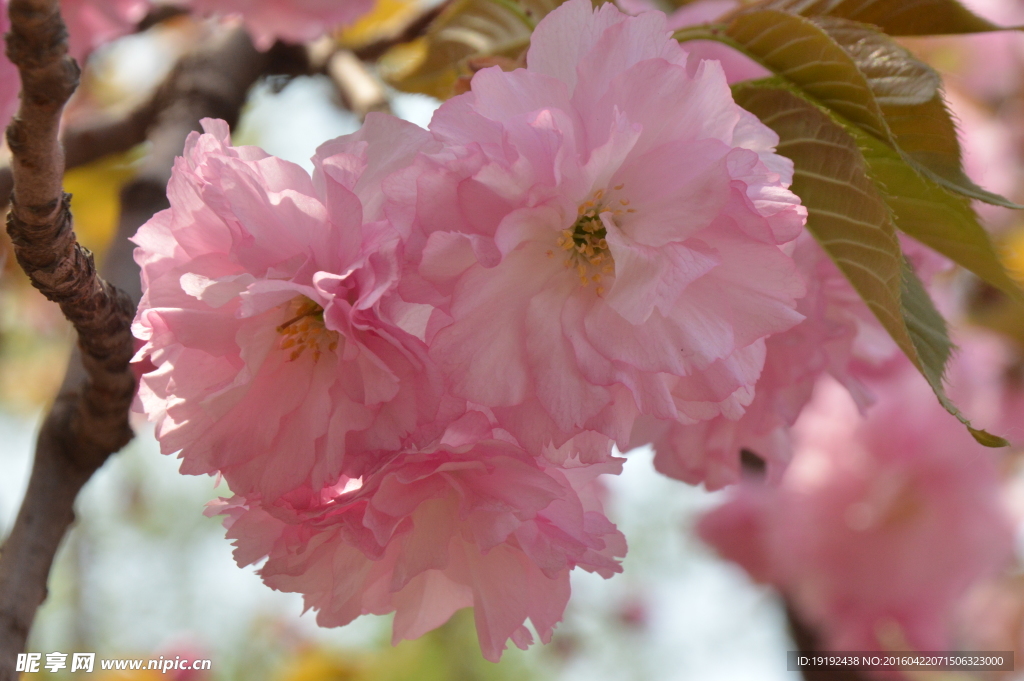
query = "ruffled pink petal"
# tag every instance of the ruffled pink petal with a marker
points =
(619, 252)
(476, 522)
(262, 314)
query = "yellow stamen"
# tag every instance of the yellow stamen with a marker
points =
(585, 243)
(305, 329)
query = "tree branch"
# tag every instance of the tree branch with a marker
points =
(212, 82)
(93, 139)
(86, 426)
(413, 30)
(80, 432)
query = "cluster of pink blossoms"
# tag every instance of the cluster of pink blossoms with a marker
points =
(412, 366)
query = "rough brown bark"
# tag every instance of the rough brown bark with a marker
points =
(88, 424)
(93, 139)
(213, 81)
(88, 421)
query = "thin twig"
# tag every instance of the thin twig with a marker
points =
(92, 139)
(416, 28)
(159, 14)
(213, 82)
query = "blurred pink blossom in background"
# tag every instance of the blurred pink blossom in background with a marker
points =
(878, 520)
(92, 23)
(294, 21)
(988, 65)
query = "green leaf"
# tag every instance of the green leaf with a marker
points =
(846, 213)
(926, 137)
(894, 75)
(850, 218)
(895, 17)
(935, 217)
(468, 29)
(803, 53)
(868, 79)
(927, 329)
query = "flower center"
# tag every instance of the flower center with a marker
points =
(585, 243)
(305, 329)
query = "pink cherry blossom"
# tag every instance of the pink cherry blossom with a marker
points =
(295, 21)
(266, 312)
(888, 519)
(603, 231)
(471, 520)
(838, 330)
(10, 82)
(94, 22)
(992, 618)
